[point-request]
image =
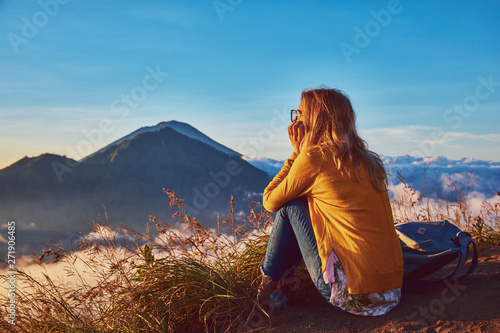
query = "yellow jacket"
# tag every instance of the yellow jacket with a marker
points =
(352, 219)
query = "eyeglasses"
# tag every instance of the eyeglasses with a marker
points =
(294, 114)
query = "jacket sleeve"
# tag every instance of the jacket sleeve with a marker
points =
(295, 179)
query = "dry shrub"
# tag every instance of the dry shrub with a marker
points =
(411, 204)
(181, 278)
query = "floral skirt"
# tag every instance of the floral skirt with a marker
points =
(375, 304)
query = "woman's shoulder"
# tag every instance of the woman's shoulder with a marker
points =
(314, 158)
(312, 151)
(311, 154)
(317, 152)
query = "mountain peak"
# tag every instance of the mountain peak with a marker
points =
(179, 127)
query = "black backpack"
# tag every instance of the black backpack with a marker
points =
(429, 246)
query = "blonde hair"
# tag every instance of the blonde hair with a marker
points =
(330, 121)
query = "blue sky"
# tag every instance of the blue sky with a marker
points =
(424, 76)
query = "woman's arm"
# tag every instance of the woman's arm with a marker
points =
(295, 179)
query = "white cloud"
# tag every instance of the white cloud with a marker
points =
(453, 136)
(411, 133)
(432, 141)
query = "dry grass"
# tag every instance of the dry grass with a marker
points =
(411, 204)
(184, 277)
(181, 278)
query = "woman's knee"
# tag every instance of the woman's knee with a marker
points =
(295, 205)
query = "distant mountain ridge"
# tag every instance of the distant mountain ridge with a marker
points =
(479, 178)
(438, 161)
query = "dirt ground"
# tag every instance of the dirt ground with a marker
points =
(471, 305)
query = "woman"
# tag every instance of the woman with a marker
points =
(333, 211)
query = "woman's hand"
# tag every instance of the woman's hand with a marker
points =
(296, 132)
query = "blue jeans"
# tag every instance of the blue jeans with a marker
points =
(291, 240)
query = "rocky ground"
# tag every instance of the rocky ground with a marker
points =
(472, 305)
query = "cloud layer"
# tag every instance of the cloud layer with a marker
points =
(436, 177)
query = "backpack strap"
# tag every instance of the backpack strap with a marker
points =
(473, 264)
